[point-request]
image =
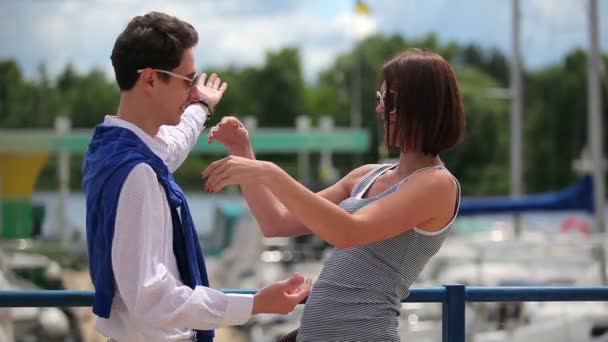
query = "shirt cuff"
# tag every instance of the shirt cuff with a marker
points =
(199, 112)
(239, 309)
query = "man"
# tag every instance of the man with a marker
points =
(145, 259)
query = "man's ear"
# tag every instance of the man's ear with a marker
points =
(148, 80)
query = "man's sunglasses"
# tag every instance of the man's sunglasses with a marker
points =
(190, 82)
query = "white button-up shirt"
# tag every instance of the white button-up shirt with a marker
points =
(151, 303)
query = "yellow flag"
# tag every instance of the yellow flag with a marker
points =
(362, 8)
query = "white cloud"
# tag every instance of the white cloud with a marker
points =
(241, 32)
(241, 40)
(357, 26)
(560, 11)
(84, 33)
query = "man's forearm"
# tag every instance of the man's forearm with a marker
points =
(182, 138)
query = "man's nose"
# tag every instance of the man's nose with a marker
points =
(194, 94)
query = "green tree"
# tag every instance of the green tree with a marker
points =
(14, 93)
(491, 61)
(556, 121)
(87, 98)
(481, 161)
(279, 88)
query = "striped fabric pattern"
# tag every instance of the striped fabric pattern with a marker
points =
(358, 294)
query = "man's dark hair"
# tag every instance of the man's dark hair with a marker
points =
(422, 88)
(155, 40)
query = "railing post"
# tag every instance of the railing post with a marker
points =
(453, 313)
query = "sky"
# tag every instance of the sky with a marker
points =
(238, 33)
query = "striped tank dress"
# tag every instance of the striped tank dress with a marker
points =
(357, 296)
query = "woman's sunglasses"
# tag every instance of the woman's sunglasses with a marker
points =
(386, 99)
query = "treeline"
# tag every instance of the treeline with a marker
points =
(555, 114)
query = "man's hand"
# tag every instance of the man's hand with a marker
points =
(231, 133)
(282, 296)
(211, 90)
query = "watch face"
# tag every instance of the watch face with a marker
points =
(208, 108)
(209, 113)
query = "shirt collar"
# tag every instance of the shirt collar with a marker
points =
(157, 145)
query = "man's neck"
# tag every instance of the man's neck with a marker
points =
(133, 111)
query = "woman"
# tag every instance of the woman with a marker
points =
(386, 221)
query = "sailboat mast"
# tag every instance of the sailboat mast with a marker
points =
(516, 113)
(595, 128)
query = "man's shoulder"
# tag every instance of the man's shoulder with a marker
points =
(142, 171)
(141, 183)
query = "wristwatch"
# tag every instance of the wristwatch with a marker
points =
(209, 109)
(201, 101)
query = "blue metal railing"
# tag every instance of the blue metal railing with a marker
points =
(452, 297)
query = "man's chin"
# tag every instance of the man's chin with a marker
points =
(174, 121)
(180, 112)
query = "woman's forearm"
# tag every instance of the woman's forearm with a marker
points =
(272, 217)
(322, 217)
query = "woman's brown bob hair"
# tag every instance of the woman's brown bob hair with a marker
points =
(423, 90)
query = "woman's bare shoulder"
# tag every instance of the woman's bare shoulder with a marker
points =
(361, 171)
(438, 179)
(346, 183)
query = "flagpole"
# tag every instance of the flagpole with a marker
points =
(356, 105)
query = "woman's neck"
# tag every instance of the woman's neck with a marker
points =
(409, 162)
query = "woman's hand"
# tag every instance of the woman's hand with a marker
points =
(234, 170)
(231, 133)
